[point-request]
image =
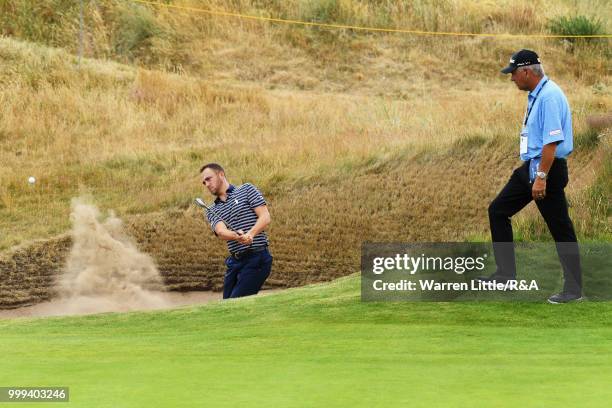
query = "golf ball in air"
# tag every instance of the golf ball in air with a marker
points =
(32, 180)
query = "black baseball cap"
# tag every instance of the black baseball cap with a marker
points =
(521, 59)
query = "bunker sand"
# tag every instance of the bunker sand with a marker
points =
(91, 305)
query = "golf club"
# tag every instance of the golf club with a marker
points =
(200, 203)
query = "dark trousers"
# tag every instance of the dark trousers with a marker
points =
(515, 195)
(245, 276)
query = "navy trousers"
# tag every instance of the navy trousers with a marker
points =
(245, 276)
(517, 194)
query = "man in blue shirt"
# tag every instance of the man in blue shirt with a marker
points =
(546, 140)
(239, 216)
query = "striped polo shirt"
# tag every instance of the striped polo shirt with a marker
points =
(238, 210)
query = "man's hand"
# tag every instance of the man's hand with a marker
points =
(538, 191)
(245, 238)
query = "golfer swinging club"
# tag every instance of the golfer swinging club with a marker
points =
(244, 209)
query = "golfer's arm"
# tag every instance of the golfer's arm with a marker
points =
(224, 233)
(548, 155)
(263, 220)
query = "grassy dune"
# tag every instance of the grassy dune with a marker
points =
(134, 138)
(304, 113)
(226, 47)
(320, 346)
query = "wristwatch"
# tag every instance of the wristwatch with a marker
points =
(541, 175)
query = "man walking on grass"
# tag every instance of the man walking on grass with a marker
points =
(545, 141)
(249, 262)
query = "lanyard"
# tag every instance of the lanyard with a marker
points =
(530, 107)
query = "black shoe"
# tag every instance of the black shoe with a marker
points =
(565, 298)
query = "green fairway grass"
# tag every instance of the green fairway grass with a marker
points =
(320, 346)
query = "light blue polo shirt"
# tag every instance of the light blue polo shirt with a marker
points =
(550, 121)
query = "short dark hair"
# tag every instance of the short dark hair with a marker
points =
(216, 167)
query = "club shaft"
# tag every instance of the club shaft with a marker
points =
(201, 203)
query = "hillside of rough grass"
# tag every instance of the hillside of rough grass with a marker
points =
(321, 346)
(286, 56)
(135, 138)
(276, 103)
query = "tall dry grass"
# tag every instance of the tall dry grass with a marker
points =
(197, 43)
(135, 138)
(285, 107)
